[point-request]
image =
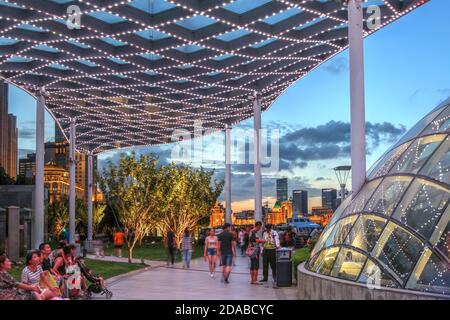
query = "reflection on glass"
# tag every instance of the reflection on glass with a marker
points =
(323, 262)
(440, 124)
(441, 236)
(387, 195)
(340, 232)
(414, 158)
(348, 264)
(438, 167)
(383, 165)
(365, 232)
(398, 250)
(422, 206)
(323, 237)
(374, 277)
(340, 210)
(357, 205)
(430, 274)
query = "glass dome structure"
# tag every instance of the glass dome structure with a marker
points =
(395, 232)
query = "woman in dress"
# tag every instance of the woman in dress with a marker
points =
(10, 289)
(210, 253)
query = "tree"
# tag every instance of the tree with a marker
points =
(4, 178)
(132, 191)
(58, 216)
(189, 197)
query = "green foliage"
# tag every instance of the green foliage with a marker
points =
(58, 216)
(144, 196)
(300, 256)
(189, 197)
(4, 178)
(132, 191)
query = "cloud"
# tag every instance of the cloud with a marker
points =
(332, 140)
(23, 153)
(27, 133)
(337, 66)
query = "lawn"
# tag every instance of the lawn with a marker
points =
(154, 251)
(105, 269)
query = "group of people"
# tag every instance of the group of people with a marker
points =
(48, 275)
(186, 247)
(251, 243)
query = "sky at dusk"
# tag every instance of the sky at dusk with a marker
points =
(407, 69)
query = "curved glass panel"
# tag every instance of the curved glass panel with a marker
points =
(416, 155)
(441, 235)
(323, 238)
(438, 167)
(398, 250)
(348, 264)
(422, 206)
(340, 231)
(388, 195)
(419, 127)
(374, 277)
(365, 232)
(358, 203)
(324, 261)
(386, 162)
(430, 274)
(440, 124)
(340, 210)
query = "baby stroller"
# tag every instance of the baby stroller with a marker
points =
(96, 283)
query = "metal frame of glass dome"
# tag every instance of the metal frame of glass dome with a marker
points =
(434, 128)
(137, 70)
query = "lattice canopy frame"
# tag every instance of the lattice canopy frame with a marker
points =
(137, 70)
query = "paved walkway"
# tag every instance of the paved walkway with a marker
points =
(165, 283)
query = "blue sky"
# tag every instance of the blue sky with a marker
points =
(407, 75)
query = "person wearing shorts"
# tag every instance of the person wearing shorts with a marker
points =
(210, 252)
(227, 250)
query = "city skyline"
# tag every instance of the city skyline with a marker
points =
(306, 116)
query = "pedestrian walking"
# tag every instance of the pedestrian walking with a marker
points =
(118, 242)
(253, 252)
(171, 245)
(186, 247)
(227, 251)
(210, 252)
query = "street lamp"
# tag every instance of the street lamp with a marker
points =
(342, 173)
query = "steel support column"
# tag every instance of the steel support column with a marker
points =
(257, 156)
(357, 104)
(90, 166)
(228, 173)
(72, 183)
(38, 232)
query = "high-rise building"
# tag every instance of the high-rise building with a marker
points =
(27, 167)
(299, 203)
(329, 197)
(282, 190)
(8, 135)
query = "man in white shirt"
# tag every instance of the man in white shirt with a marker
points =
(271, 244)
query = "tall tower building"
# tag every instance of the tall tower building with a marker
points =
(8, 134)
(329, 198)
(299, 203)
(282, 190)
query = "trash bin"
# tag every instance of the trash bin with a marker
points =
(284, 267)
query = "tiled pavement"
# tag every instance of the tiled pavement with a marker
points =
(165, 283)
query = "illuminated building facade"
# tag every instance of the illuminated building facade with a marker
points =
(56, 180)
